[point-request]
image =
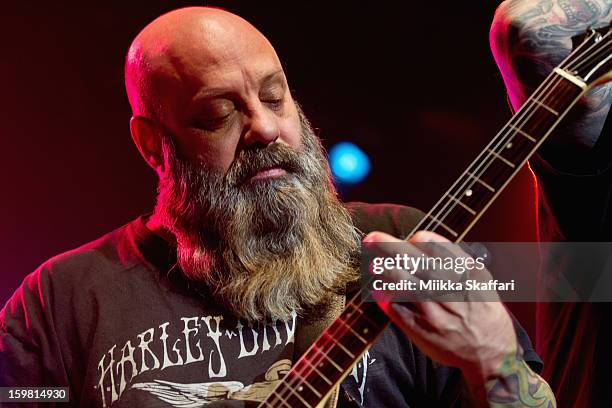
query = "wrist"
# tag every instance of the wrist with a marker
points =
(491, 365)
(479, 379)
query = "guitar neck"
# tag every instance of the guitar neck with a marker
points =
(470, 196)
(330, 358)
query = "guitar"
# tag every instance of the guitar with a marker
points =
(325, 364)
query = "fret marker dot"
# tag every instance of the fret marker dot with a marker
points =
(300, 388)
(320, 364)
(468, 192)
(509, 145)
(365, 331)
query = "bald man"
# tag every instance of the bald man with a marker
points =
(196, 304)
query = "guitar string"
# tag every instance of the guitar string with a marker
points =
(590, 57)
(351, 303)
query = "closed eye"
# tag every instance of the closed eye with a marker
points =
(274, 104)
(212, 123)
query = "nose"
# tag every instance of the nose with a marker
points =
(262, 127)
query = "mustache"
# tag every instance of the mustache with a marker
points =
(253, 160)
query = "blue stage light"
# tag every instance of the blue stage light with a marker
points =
(349, 164)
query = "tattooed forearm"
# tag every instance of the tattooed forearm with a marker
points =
(530, 37)
(514, 385)
(518, 386)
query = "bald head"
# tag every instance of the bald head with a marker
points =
(173, 53)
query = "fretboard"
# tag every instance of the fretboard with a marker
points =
(332, 355)
(469, 197)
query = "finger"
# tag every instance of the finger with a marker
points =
(439, 248)
(436, 245)
(377, 236)
(427, 236)
(410, 322)
(390, 252)
(388, 245)
(395, 285)
(405, 258)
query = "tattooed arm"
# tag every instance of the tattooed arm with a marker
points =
(530, 37)
(514, 384)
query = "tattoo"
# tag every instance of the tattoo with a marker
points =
(580, 12)
(518, 386)
(545, 30)
(538, 40)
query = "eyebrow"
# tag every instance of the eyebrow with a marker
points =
(271, 77)
(212, 93)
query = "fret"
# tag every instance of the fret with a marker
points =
(548, 108)
(361, 314)
(502, 158)
(479, 180)
(316, 370)
(441, 224)
(318, 353)
(297, 394)
(313, 389)
(333, 363)
(364, 341)
(522, 133)
(275, 393)
(337, 343)
(467, 208)
(370, 312)
(325, 349)
(298, 384)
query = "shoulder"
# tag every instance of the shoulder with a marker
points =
(78, 269)
(116, 249)
(394, 219)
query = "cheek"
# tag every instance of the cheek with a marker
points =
(216, 150)
(291, 130)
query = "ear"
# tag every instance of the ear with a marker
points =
(148, 139)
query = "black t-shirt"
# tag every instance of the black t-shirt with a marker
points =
(114, 321)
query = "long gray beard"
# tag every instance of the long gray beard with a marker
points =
(262, 248)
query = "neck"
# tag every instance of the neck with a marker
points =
(154, 224)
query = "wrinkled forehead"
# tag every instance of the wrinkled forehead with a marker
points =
(208, 58)
(214, 54)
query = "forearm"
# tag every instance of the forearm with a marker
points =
(513, 384)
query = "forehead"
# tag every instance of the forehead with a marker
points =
(218, 55)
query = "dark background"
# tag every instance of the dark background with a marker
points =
(412, 83)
